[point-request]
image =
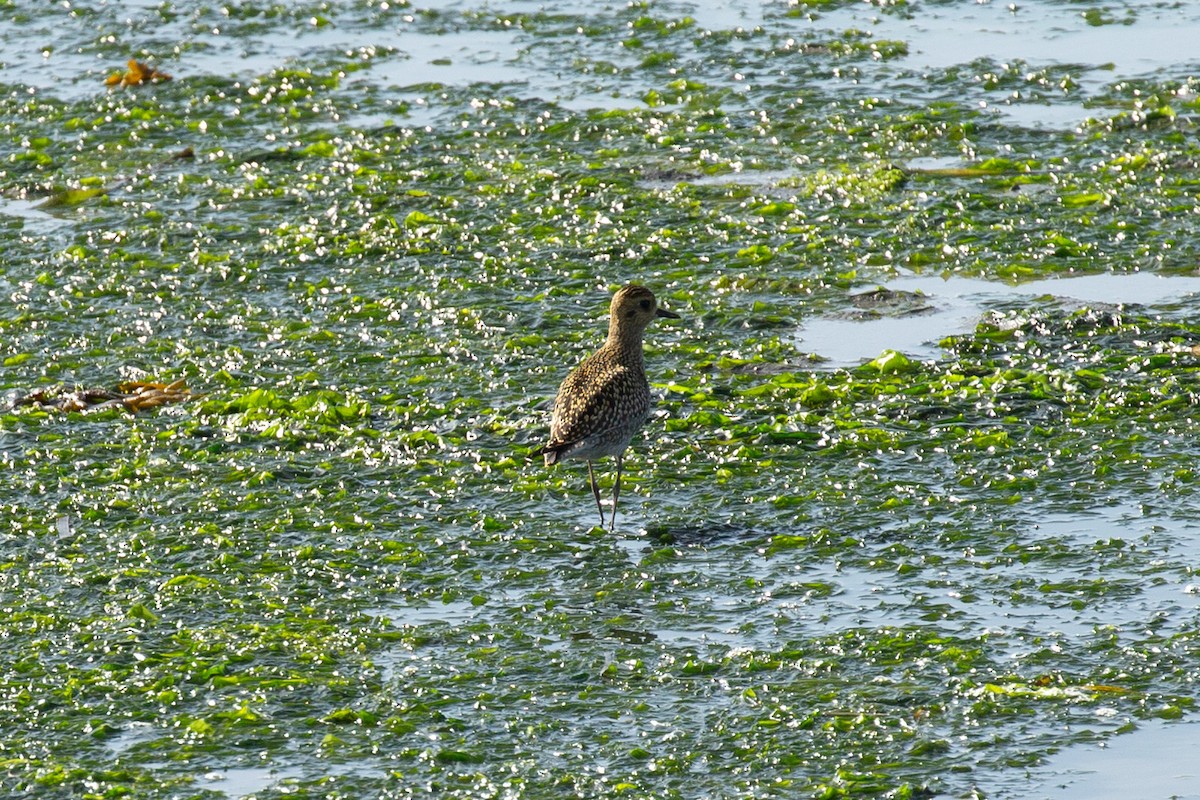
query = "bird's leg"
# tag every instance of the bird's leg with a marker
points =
(616, 493)
(596, 492)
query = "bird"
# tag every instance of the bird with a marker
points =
(604, 401)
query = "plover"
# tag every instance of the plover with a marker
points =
(606, 399)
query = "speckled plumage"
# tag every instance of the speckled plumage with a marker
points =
(606, 399)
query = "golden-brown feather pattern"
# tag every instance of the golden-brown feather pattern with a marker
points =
(606, 399)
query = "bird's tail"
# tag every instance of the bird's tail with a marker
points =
(551, 453)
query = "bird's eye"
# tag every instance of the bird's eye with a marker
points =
(645, 304)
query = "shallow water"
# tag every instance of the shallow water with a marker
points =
(374, 236)
(1155, 760)
(957, 303)
(246, 781)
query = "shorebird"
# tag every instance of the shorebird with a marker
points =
(606, 399)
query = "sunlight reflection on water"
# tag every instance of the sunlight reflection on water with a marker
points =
(1154, 761)
(958, 304)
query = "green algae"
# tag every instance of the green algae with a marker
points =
(346, 559)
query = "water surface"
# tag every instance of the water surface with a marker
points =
(938, 542)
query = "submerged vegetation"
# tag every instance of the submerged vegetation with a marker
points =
(370, 248)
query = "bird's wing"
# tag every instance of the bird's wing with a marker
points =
(593, 402)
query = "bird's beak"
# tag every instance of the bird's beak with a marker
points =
(662, 312)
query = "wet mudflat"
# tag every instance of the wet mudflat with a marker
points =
(915, 516)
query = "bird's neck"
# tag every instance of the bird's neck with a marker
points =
(626, 342)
